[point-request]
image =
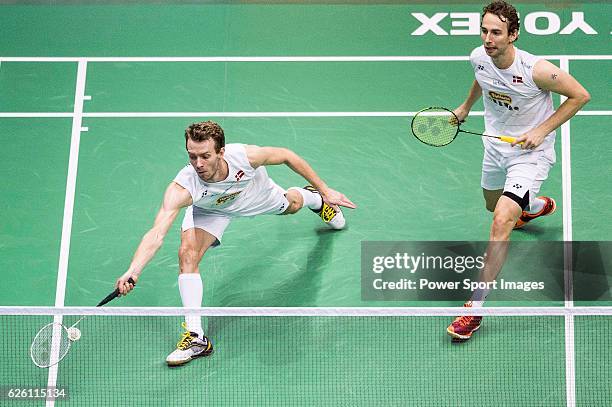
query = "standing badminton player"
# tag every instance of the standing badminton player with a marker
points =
(516, 88)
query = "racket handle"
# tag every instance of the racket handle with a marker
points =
(508, 139)
(114, 294)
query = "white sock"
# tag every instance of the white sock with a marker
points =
(190, 287)
(311, 201)
(536, 206)
(478, 297)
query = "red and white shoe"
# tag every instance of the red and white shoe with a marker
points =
(549, 208)
(463, 327)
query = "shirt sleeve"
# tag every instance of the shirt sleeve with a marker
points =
(474, 55)
(186, 179)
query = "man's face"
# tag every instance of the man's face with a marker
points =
(204, 159)
(494, 34)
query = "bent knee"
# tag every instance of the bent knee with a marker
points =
(502, 220)
(293, 208)
(502, 226)
(188, 256)
(295, 200)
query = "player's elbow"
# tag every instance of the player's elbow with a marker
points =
(276, 156)
(289, 157)
(582, 97)
(585, 97)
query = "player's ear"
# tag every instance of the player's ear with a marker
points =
(513, 36)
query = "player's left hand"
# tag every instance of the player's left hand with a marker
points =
(531, 140)
(335, 198)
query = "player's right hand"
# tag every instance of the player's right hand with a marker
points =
(335, 199)
(122, 282)
(461, 113)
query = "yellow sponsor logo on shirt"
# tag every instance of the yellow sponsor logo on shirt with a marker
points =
(223, 199)
(500, 97)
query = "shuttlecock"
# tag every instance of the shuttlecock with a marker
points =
(74, 334)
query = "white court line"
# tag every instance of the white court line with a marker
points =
(566, 182)
(35, 114)
(398, 58)
(255, 114)
(244, 114)
(215, 114)
(594, 113)
(62, 272)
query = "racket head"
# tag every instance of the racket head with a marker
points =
(435, 126)
(45, 351)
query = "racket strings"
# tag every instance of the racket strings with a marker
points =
(50, 345)
(434, 126)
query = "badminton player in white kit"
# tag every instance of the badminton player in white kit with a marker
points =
(516, 88)
(220, 183)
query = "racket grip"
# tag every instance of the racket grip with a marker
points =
(113, 295)
(508, 139)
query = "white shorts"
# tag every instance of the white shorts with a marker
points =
(517, 173)
(215, 222)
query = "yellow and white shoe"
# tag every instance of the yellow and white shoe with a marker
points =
(334, 218)
(190, 347)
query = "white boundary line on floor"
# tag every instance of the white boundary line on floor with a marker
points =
(62, 273)
(365, 58)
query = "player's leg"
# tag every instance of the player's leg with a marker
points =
(493, 181)
(194, 243)
(507, 212)
(539, 205)
(280, 202)
(295, 201)
(493, 178)
(310, 198)
(511, 203)
(491, 197)
(200, 231)
(505, 215)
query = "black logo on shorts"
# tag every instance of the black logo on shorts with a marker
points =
(517, 186)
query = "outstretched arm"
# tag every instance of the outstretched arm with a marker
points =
(259, 156)
(549, 77)
(175, 198)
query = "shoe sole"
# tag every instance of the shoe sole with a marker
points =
(184, 362)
